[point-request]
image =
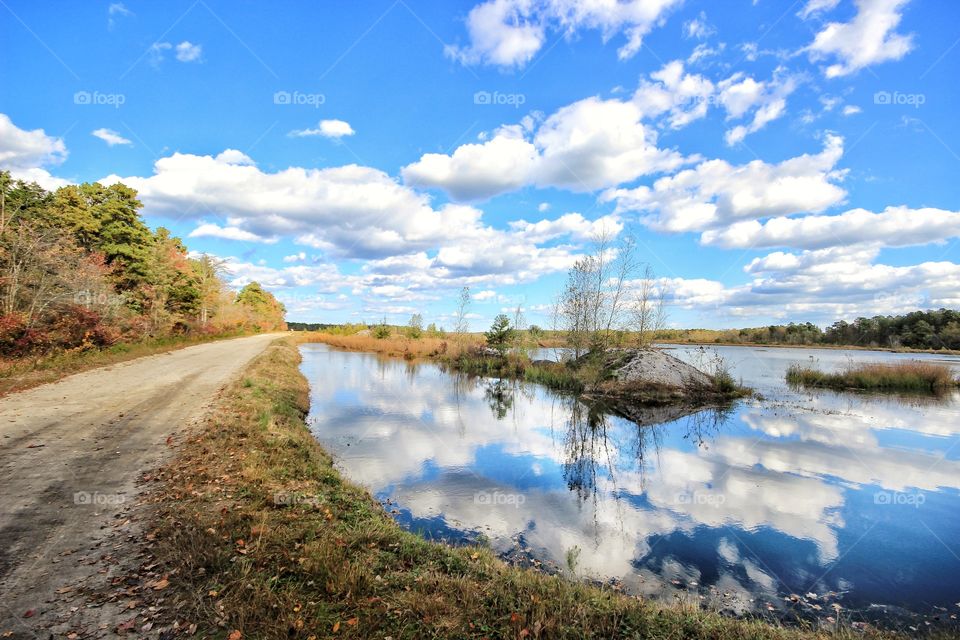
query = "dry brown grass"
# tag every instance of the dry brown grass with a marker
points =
(908, 375)
(398, 346)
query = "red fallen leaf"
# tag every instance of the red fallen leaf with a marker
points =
(29, 613)
(514, 618)
(336, 626)
(126, 626)
(352, 622)
(235, 635)
(163, 583)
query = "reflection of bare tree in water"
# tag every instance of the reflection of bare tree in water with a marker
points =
(701, 427)
(593, 443)
(601, 441)
(462, 385)
(585, 442)
(410, 368)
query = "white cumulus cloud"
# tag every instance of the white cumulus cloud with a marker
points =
(716, 194)
(111, 137)
(26, 153)
(327, 129)
(894, 227)
(588, 145)
(869, 38)
(186, 51)
(210, 230)
(509, 33)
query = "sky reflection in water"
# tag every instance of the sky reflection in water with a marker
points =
(798, 493)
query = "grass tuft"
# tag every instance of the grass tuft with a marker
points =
(909, 376)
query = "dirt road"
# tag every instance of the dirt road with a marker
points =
(70, 453)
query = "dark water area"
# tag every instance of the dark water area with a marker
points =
(793, 505)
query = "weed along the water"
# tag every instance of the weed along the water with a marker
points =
(906, 376)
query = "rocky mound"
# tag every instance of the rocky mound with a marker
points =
(654, 367)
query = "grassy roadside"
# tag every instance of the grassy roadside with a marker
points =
(26, 373)
(263, 538)
(909, 376)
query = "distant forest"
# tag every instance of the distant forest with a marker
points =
(80, 269)
(934, 330)
(316, 326)
(927, 330)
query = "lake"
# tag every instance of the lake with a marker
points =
(796, 505)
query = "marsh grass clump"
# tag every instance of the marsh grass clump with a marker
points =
(396, 344)
(724, 381)
(909, 376)
(554, 375)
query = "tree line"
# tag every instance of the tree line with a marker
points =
(79, 268)
(931, 329)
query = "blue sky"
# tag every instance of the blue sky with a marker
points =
(776, 161)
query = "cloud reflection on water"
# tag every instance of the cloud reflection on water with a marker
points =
(754, 504)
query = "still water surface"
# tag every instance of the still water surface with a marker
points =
(787, 505)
